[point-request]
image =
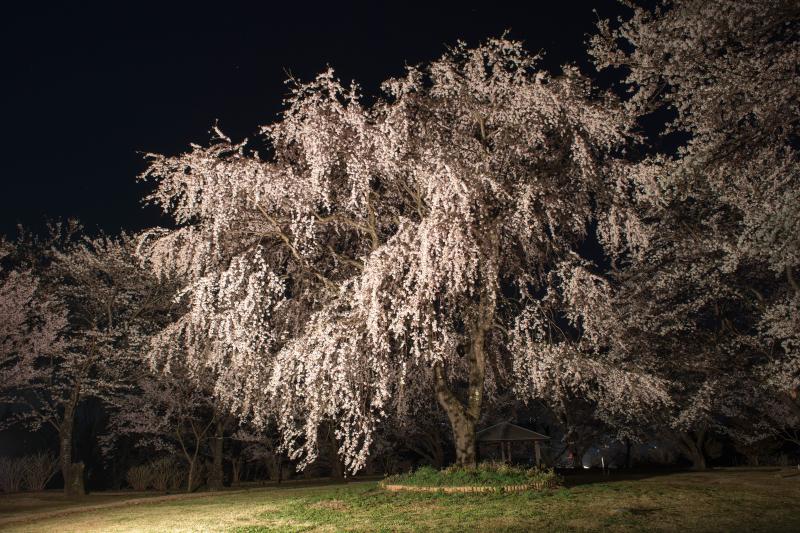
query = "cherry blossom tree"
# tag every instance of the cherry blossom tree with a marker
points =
(387, 250)
(685, 321)
(583, 365)
(717, 296)
(172, 412)
(109, 303)
(32, 323)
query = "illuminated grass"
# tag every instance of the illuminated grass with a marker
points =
(716, 501)
(484, 475)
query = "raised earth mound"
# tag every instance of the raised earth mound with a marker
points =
(486, 477)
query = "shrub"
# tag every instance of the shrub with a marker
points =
(163, 472)
(177, 480)
(488, 474)
(38, 469)
(12, 472)
(140, 477)
(200, 474)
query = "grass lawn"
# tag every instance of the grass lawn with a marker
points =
(723, 500)
(487, 474)
(36, 502)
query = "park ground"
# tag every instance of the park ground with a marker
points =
(720, 500)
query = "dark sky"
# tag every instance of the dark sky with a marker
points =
(86, 88)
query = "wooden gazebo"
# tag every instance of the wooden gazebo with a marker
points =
(506, 433)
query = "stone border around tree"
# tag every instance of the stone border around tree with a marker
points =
(468, 489)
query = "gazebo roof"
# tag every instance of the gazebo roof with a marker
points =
(506, 431)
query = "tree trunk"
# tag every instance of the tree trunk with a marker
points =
(463, 418)
(464, 438)
(192, 472)
(190, 476)
(577, 455)
(273, 463)
(236, 471)
(72, 472)
(191, 482)
(692, 445)
(628, 455)
(121, 460)
(698, 460)
(216, 476)
(337, 466)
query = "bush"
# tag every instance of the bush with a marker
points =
(163, 472)
(140, 477)
(12, 473)
(488, 474)
(39, 468)
(200, 474)
(178, 479)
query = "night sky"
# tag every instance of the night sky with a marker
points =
(87, 88)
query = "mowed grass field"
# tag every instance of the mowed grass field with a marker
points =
(723, 500)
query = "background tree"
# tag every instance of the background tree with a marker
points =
(110, 302)
(32, 322)
(717, 295)
(571, 352)
(172, 412)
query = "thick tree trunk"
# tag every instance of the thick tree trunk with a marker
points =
(698, 460)
(692, 446)
(216, 476)
(72, 472)
(577, 455)
(462, 421)
(463, 418)
(464, 439)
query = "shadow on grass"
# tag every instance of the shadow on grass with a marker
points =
(575, 477)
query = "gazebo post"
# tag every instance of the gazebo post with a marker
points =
(538, 452)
